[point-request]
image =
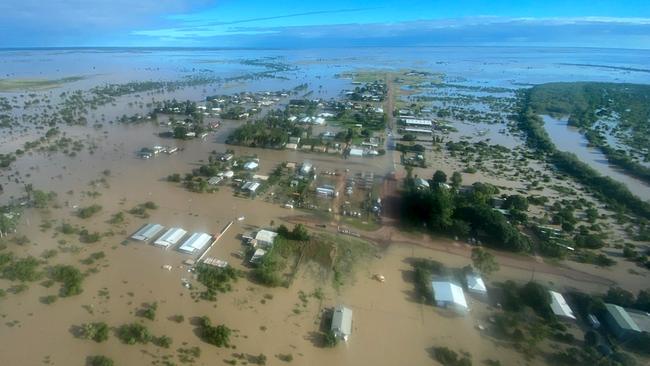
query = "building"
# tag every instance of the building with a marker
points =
(476, 285)
(170, 238)
(305, 168)
(356, 152)
(251, 165)
(195, 243)
(417, 122)
(291, 146)
(250, 187)
(257, 256)
(560, 307)
(620, 323)
(265, 238)
(418, 130)
(214, 181)
(449, 295)
(147, 232)
(421, 183)
(325, 191)
(342, 322)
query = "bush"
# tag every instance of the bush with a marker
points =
(89, 211)
(98, 332)
(150, 311)
(330, 339)
(100, 361)
(448, 357)
(70, 277)
(134, 333)
(218, 336)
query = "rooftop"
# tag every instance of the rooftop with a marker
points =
(449, 292)
(560, 306)
(621, 317)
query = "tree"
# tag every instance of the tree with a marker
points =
(180, 132)
(98, 332)
(456, 180)
(299, 232)
(484, 261)
(618, 296)
(439, 177)
(516, 202)
(643, 300)
(330, 339)
(218, 336)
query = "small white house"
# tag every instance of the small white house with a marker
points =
(265, 238)
(449, 295)
(251, 165)
(342, 322)
(560, 307)
(476, 285)
(356, 152)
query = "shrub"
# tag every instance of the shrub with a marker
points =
(100, 361)
(98, 332)
(89, 211)
(134, 333)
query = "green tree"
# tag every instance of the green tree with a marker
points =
(484, 261)
(439, 177)
(456, 180)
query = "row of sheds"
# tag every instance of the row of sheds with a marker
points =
(450, 295)
(193, 244)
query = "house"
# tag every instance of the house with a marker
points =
(356, 152)
(228, 174)
(214, 181)
(449, 295)
(147, 232)
(291, 146)
(620, 323)
(265, 238)
(476, 285)
(257, 256)
(560, 307)
(326, 191)
(250, 187)
(170, 238)
(417, 122)
(306, 168)
(342, 322)
(226, 157)
(421, 183)
(418, 130)
(195, 243)
(251, 165)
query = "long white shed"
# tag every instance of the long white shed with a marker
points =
(170, 238)
(147, 232)
(196, 243)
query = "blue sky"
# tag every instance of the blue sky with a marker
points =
(257, 23)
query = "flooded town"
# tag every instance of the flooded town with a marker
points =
(382, 206)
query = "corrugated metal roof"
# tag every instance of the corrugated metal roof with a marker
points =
(171, 237)
(622, 319)
(195, 243)
(342, 321)
(475, 283)
(449, 292)
(147, 232)
(560, 306)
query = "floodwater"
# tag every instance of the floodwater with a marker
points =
(390, 328)
(568, 138)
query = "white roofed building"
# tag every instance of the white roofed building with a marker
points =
(475, 284)
(560, 307)
(147, 232)
(342, 322)
(449, 295)
(265, 238)
(195, 243)
(170, 238)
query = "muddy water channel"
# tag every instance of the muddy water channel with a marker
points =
(568, 138)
